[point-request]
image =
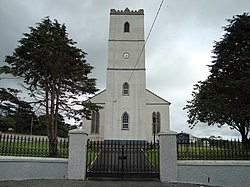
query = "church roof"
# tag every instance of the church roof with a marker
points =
(152, 98)
(99, 97)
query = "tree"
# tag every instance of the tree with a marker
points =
(55, 73)
(15, 113)
(9, 101)
(40, 127)
(224, 97)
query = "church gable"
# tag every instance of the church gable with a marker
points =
(152, 98)
(99, 98)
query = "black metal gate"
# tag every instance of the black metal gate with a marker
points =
(122, 159)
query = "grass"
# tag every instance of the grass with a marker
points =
(203, 153)
(153, 156)
(189, 152)
(31, 148)
(91, 155)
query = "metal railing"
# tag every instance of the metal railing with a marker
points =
(30, 146)
(209, 149)
(122, 159)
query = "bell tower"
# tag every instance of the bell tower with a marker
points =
(126, 77)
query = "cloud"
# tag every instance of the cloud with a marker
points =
(177, 52)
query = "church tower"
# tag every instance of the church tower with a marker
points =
(129, 110)
(126, 77)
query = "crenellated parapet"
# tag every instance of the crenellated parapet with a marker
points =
(126, 12)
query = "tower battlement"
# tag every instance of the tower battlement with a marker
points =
(126, 12)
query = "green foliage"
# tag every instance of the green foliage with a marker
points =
(63, 128)
(224, 98)
(15, 113)
(10, 103)
(6, 122)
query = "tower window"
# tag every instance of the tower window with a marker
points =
(156, 122)
(125, 121)
(125, 89)
(95, 122)
(126, 27)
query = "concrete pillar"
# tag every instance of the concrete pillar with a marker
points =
(168, 156)
(77, 154)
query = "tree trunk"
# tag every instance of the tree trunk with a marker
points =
(244, 136)
(53, 140)
(48, 119)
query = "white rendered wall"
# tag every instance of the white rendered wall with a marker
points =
(227, 173)
(136, 27)
(164, 111)
(119, 71)
(117, 104)
(217, 173)
(156, 104)
(20, 168)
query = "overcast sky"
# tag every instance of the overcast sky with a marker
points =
(177, 53)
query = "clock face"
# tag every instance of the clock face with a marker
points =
(126, 55)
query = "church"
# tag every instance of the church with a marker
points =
(129, 110)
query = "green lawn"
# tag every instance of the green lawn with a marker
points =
(153, 157)
(212, 153)
(31, 148)
(91, 155)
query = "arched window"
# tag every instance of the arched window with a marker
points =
(156, 122)
(126, 27)
(95, 122)
(125, 120)
(125, 89)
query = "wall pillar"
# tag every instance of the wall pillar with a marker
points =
(168, 156)
(77, 154)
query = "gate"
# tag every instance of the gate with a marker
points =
(122, 159)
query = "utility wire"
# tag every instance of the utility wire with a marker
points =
(143, 48)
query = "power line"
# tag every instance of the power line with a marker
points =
(143, 48)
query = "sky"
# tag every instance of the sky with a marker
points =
(177, 52)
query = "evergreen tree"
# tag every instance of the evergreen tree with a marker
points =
(224, 98)
(15, 113)
(55, 73)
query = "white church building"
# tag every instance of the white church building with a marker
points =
(130, 111)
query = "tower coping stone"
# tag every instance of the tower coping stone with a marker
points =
(126, 12)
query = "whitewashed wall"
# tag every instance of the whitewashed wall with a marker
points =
(20, 168)
(219, 173)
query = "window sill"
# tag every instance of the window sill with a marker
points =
(126, 129)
